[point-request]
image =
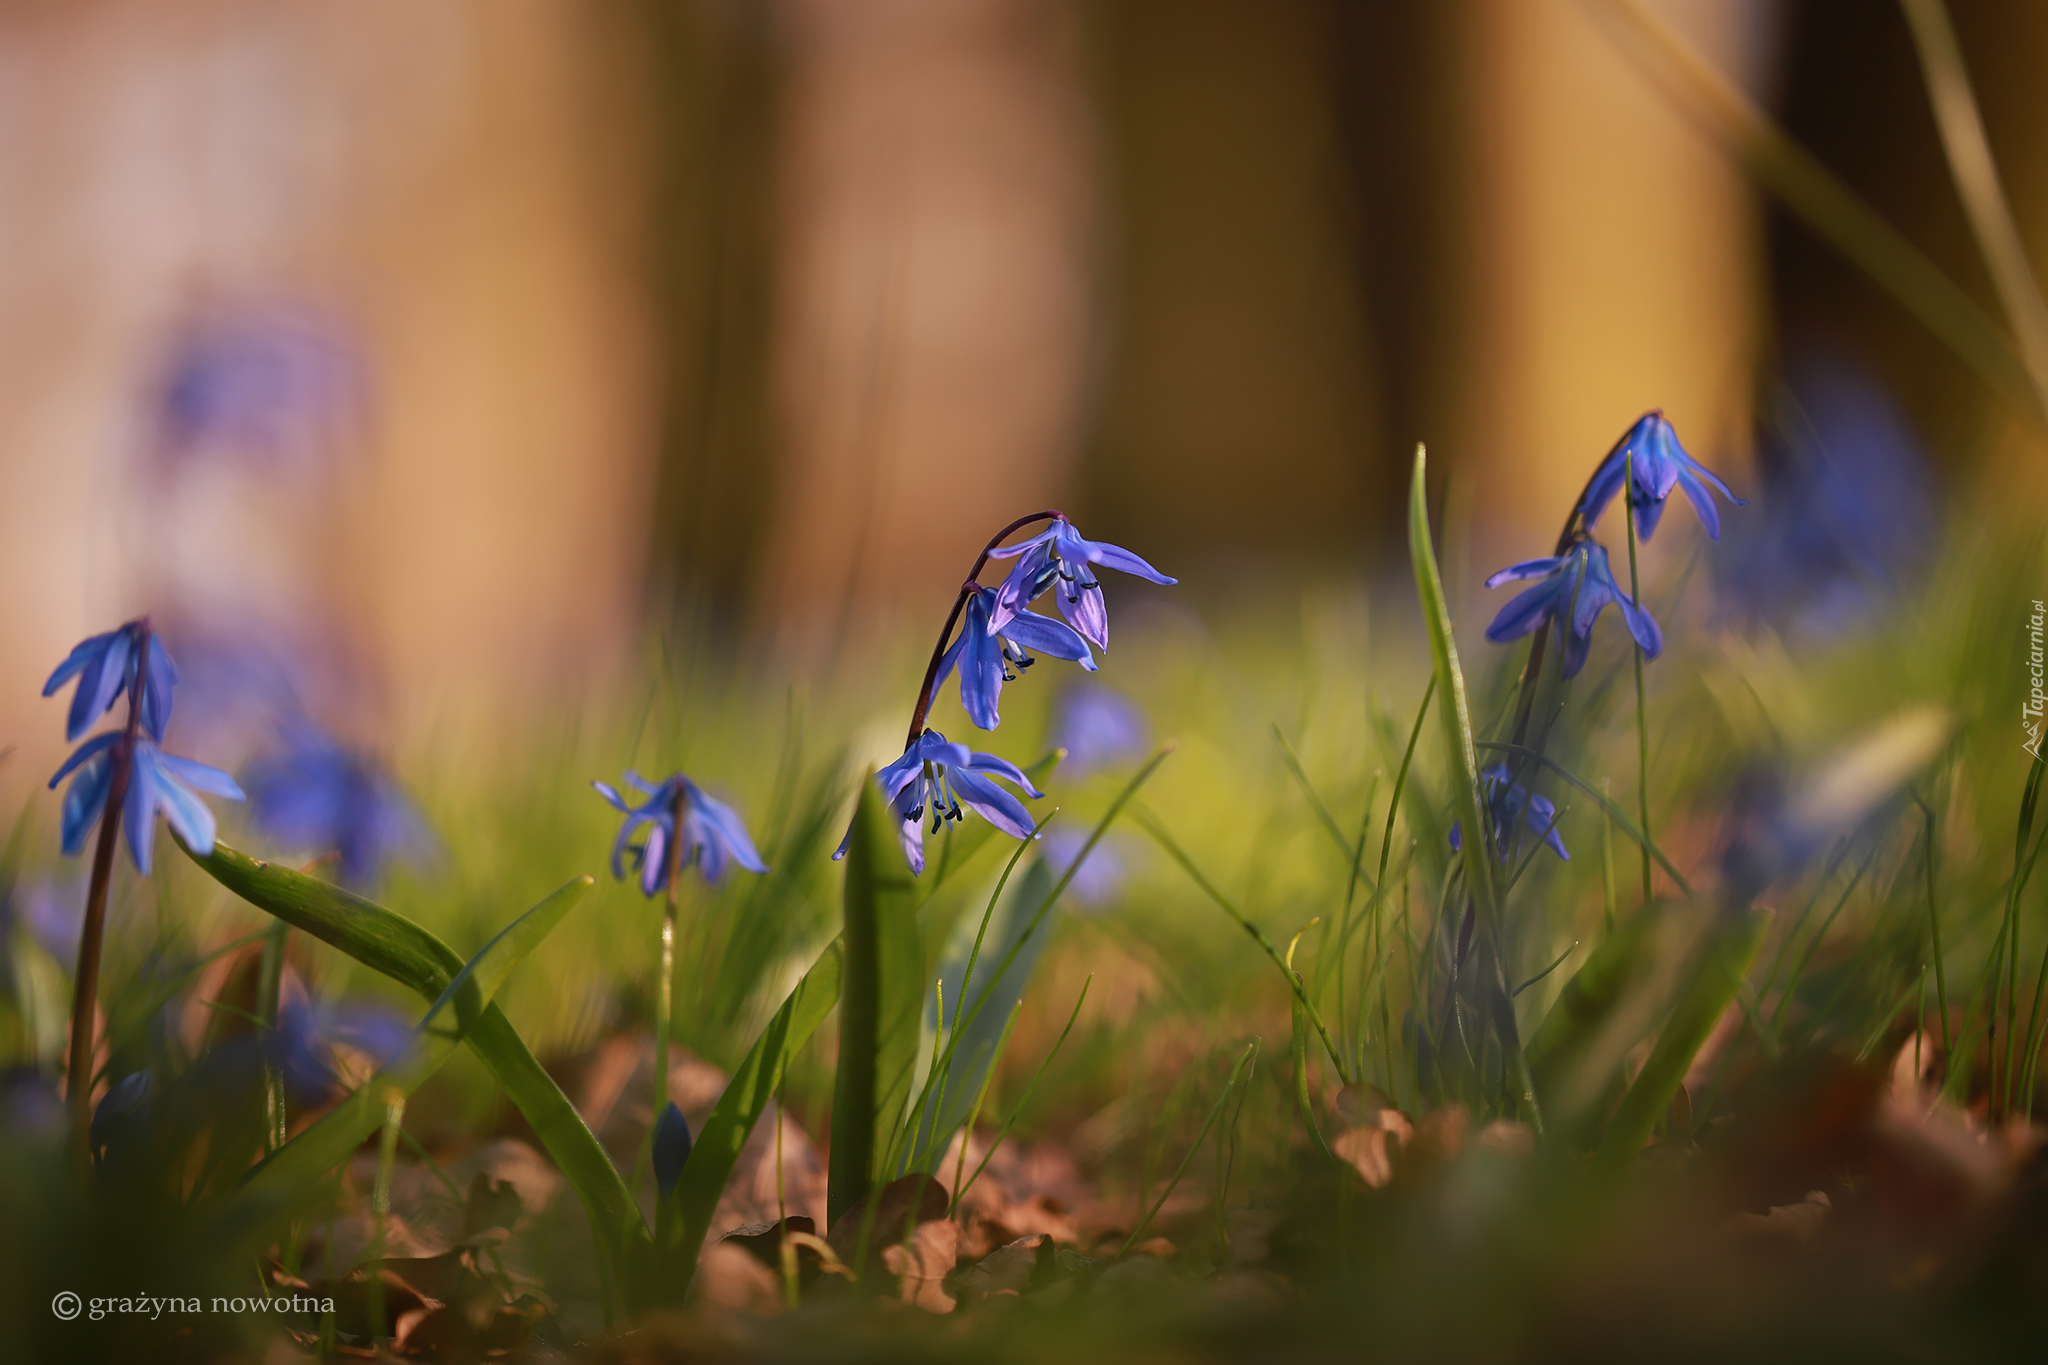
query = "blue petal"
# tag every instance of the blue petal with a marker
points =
(654, 859)
(138, 814)
(1024, 584)
(1528, 568)
(1642, 626)
(912, 836)
(1702, 502)
(1085, 611)
(1647, 516)
(84, 801)
(201, 776)
(611, 794)
(1028, 543)
(1122, 560)
(1574, 653)
(84, 752)
(997, 806)
(1049, 637)
(156, 689)
(1001, 767)
(187, 814)
(81, 654)
(1525, 612)
(729, 829)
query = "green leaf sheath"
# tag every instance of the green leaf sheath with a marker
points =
(881, 1001)
(391, 944)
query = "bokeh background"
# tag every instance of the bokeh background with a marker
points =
(452, 351)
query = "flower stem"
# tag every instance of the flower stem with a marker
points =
(1635, 597)
(967, 586)
(664, 988)
(85, 982)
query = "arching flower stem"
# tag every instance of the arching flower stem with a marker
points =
(967, 589)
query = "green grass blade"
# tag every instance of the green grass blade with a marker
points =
(881, 1000)
(1723, 965)
(732, 1119)
(1244, 1059)
(297, 1167)
(1456, 715)
(393, 945)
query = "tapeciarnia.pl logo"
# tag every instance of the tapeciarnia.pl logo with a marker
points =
(2030, 710)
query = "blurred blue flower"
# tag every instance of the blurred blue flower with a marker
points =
(712, 834)
(105, 667)
(1097, 726)
(314, 795)
(671, 1147)
(1577, 585)
(1059, 554)
(264, 384)
(1506, 802)
(52, 911)
(157, 782)
(984, 656)
(302, 1046)
(1661, 464)
(1099, 879)
(938, 778)
(1851, 506)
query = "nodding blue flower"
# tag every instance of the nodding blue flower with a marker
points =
(938, 779)
(713, 835)
(269, 386)
(1096, 726)
(1577, 585)
(105, 667)
(157, 781)
(671, 1147)
(984, 656)
(1060, 555)
(1505, 801)
(1661, 464)
(314, 795)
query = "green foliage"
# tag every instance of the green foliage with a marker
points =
(881, 999)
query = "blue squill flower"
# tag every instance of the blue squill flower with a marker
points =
(105, 667)
(1097, 726)
(1506, 801)
(671, 1147)
(270, 385)
(157, 782)
(713, 835)
(1059, 554)
(1577, 585)
(984, 656)
(936, 778)
(1661, 464)
(1099, 878)
(314, 795)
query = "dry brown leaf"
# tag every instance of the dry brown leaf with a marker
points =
(922, 1264)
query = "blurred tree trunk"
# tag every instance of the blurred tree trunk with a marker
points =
(1853, 94)
(714, 74)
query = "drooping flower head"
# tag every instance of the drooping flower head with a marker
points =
(1660, 464)
(131, 660)
(713, 835)
(940, 780)
(312, 794)
(1507, 803)
(1575, 587)
(984, 656)
(105, 667)
(1060, 555)
(157, 782)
